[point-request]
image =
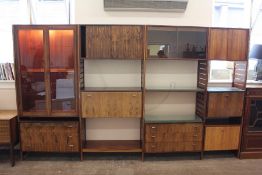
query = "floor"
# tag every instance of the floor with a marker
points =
(130, 164)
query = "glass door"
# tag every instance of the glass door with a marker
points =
(31, 64)
(62, 55)
(254, 115)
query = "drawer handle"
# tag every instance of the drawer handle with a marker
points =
(71, 145)
(195, 135)
(69, 136)
(153, 146)
(70, 126)
(153, 136)
(134, 95)
(153, 127)
(193, 144)
(89, 95)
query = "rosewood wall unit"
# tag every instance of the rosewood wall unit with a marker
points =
(106, 44)
(252, 132)
(222, 107)
(9, 131)
(47, 87)
(174, 56)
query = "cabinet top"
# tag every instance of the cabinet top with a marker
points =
(7, 114)
(173, 119)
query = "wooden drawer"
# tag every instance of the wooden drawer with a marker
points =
(111, 104)
(225, 104)
(222, 138)
(162, 147)
(5, 136)
(50, 137)
(253, 142)
(254, 92)
(173, 132)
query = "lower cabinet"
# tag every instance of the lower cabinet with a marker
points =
(49, 136)
(160, 138)
(222, 138)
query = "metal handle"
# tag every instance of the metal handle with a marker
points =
(153, 127)
(153, 136)
(134, 95)
(71, 145)
(89, 95)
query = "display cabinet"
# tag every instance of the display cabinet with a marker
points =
(46, 76)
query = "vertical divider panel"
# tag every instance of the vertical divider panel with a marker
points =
(240, 74)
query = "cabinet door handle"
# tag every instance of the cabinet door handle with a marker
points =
(134, 95)
(89, 95)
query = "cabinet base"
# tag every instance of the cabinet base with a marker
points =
(251, 155)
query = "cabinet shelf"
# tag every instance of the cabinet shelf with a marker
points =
(111, 89)
(172, 119)
(182, 59)
(112, 146)
(182, 89)
(224, 89)
(51, 70)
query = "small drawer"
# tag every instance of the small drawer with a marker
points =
(254, 92)
(172, 147)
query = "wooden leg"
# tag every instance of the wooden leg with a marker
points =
(21, 155)
(81, 156)
(12, 158)
(201, 155)
(143, 156)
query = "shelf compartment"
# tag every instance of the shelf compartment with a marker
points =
(182, 89)
(224, 89)
(111, 89)
(112, 146)
(172, 119)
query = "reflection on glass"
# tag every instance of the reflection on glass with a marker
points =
(255, 118)
(32, 70)
(62, 70)
(172, 42)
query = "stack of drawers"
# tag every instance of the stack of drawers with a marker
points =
(50, 136)
(173, 137)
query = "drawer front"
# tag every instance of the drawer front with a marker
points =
(222, 138)
(111, 104)
(172, 147)
(50, 137)
(225, 104)
(254, 92)
(173, 132)
(253, 142)
(5, 132)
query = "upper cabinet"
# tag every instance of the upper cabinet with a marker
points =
(114, 42)
(176, 42)
(228, 44)
(46, 73)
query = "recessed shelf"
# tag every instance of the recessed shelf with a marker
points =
(51, 70)
(111, 89)
(182, 89)
(112, 146)
(224, 89)
(172, 119)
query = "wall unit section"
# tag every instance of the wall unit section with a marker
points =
(47, 86)
(111, 88)
(172, 80)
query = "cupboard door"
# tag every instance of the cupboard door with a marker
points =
(111, 104)
(222, 138)
(5, 135)
(225, 104)
(237, 44)
(127, 42)
(98, 42)
(62, 51)
(217, 44)
(31, 71)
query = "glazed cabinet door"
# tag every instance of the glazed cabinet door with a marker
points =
(217, 44)
(237, 44)
(111, 104)
(222, 138)
(31, 70)
(62, 68)
(114, 42)
(225, 104)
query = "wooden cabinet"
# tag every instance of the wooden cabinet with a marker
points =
(173, 137)
(225, 104)
(46, 70)
(252, 124)
(228, 44)
(49, 136)
(225, 137)
(8, 131)
(111, 104)
(115, 42)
